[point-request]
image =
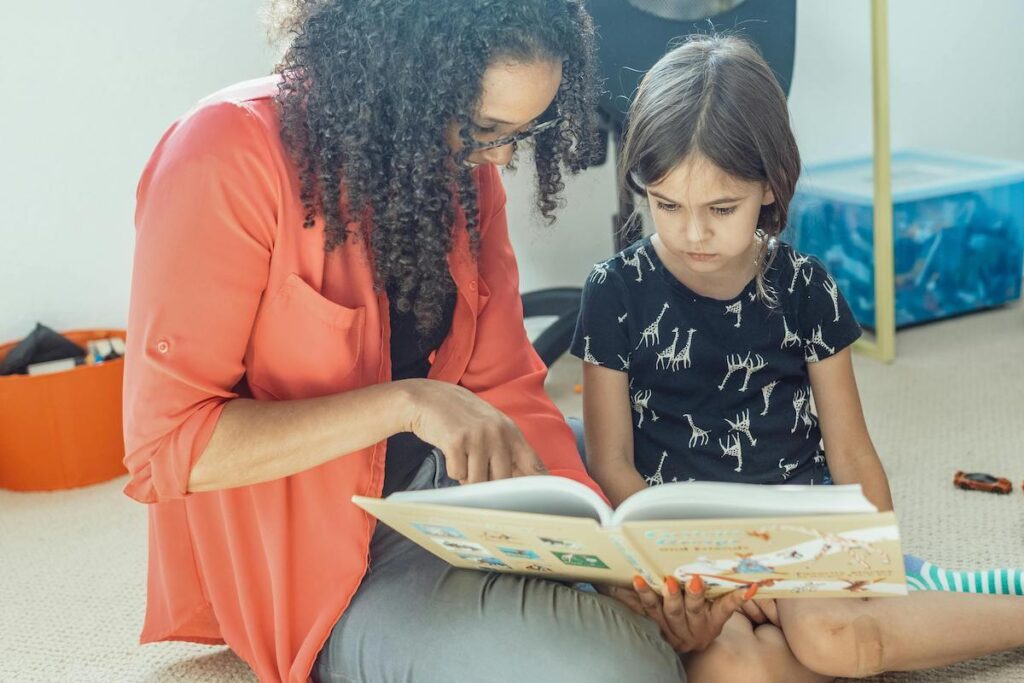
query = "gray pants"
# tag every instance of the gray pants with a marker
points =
(417, 619)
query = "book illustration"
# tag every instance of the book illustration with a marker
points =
(560, 543)
(748, 565)
(856, 551)
(578, 560)
(519, 553)
(860, 586)
(485, 561)
(500, 537)
(439, 531)
(462, 547)
(538, 568)
(858, 545)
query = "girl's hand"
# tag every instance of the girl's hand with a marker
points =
(689, 621)
(761, 611)
(478, 441)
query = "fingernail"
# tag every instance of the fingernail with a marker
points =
(639, 583)
(695, 584)
(751, 592)
(672, 585)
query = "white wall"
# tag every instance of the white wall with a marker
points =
(87, 89)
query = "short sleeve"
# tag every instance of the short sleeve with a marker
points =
(602, 332)
(827, 325)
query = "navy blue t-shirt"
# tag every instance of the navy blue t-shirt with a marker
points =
(719, 389)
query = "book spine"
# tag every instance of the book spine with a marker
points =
(630, 552)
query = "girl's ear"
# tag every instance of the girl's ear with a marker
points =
(769, 196)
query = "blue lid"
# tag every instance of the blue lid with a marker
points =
(915, 175)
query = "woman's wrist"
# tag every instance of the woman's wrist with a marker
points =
(408, 397)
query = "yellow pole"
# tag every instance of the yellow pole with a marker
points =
(884, 347)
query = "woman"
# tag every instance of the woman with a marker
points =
(324, 292)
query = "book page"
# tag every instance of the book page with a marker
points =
(516, 542)
(724, 500)
(545, 495)
(821, 556)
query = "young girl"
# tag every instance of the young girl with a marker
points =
(704, 345)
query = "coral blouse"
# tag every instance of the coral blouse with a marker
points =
(228, 286)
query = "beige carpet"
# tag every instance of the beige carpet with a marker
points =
(72, 564)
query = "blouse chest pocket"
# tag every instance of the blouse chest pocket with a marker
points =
(305, 345)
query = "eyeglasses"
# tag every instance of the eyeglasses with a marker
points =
(547, 124)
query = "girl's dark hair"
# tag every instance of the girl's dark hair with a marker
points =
(716, 96)
(368, 89)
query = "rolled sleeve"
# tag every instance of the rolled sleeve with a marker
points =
(205, 225)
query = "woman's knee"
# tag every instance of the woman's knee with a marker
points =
(611, 644)
(834, 639)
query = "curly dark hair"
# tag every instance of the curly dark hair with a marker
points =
(368, 89)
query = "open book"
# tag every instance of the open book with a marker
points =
(820, 541)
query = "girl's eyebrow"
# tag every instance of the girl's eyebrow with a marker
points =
(720, 200)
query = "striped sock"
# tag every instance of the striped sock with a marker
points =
(925, 576)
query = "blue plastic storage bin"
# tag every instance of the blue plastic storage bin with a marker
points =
(958, 226)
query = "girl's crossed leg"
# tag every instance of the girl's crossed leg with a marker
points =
(818, 639)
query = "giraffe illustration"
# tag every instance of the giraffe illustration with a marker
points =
(733, 362)
(819, 459)
(650, 334)
(799, 399)
(665, 356)
(684, 355)
(752, 296)
(697, 435)
(634, 261)
(752, 366)
(833, 291)
(587, 358)
(742, 425)
(766, 393)
(622, 318)
(734, 449)
(786, 467)
(816, 340)
(625, 363)
(640, 400)
(798, 261)
(808, 419)
(737, 309)
(599, 274)
(790, 338)
(807, 275)
(656, 478)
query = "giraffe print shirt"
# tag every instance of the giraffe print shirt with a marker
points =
(719, 389)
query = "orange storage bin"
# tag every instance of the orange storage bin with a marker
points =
(62, 430)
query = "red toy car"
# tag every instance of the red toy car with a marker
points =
(979, 481)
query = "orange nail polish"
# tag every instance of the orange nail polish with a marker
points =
(639, 583)
(695, 585)
(751, 592)
(672, 585)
